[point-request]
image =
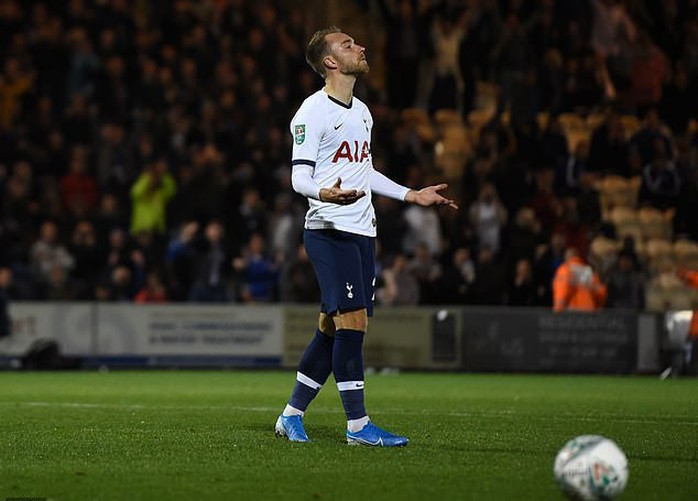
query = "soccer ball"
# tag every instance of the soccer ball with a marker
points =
(590, 468)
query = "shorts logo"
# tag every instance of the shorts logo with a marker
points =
(299, 133)
(350, 294)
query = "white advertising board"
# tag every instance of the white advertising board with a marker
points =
(70, 324)
(198, 330)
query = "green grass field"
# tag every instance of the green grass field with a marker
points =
(209, 435)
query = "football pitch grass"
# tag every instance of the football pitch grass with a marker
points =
(196, 435)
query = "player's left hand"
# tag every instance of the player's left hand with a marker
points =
(429, 196)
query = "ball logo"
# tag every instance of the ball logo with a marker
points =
(603, 474)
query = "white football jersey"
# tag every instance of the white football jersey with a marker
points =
(335, 140)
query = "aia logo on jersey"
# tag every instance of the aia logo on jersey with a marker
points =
(352, 152)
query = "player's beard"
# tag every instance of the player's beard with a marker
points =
(357, 68)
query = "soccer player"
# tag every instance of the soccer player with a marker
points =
(332, 167)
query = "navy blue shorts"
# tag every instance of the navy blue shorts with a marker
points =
(345, 267)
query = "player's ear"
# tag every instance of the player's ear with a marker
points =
(329, 63)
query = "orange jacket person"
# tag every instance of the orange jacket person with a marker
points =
(691, 279)
(576, 286)
(689, 276)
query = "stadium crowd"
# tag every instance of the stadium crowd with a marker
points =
(145, 151)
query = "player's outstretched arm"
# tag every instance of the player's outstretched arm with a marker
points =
(430, 196)
(337, 195)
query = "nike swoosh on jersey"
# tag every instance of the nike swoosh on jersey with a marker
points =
(338, 126)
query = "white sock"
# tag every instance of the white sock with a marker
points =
(292, 411)
(354, 425)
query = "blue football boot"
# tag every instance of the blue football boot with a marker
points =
(374, 436)
(291, 427)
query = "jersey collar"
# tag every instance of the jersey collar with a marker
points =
(337, 101)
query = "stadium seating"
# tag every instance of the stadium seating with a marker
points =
(486, 96)
(595, 119)
(419, 120)
(452, 150)
(631, 124)
(603, 252)
(660, 255)
(617, 191)
(686, 252)
(626, 222)
(655, 224)
(576, 129)
(447, 118)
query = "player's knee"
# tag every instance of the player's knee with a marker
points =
(325, 324)
(355, 320)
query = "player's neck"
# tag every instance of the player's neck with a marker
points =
(342, 89)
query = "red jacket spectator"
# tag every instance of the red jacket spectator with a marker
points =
(78, 189)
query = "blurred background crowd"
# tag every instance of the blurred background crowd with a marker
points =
(145, 150)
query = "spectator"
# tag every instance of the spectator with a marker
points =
(489, 287)
(548, 258)
(514, 56)
(115, 165)
(645, 139)
(78, 189)
(427, 271)
(458, 278)
(180, 258)
(78, 121)
(393, 225)
(15, 83)
(610, 19)
(661, 184)
(118, 250)
(150, 196)
(445, 81)
(123, 287)
(400, 288)
(523, 236)
(108, 217)
(608, 148)
(554, 144)
(626, 285)
(679, 100)
(647, 73)
(5, 319)
(423, 228)
(88, 255)
(488, 216)
(298, 283)
(522, 288)
(576, 286)
(212, 268)
(201, 191)
(568, 175)
(248, 218)
(153, 291)
(284, 227)
(685, 222)
(59, 286)
(259, 271)
(406, 26)
(48, 252)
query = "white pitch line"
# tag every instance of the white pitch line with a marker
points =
(493, 414)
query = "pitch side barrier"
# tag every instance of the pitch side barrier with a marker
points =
(451, 338)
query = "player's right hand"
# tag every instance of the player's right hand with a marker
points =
(336, 195)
